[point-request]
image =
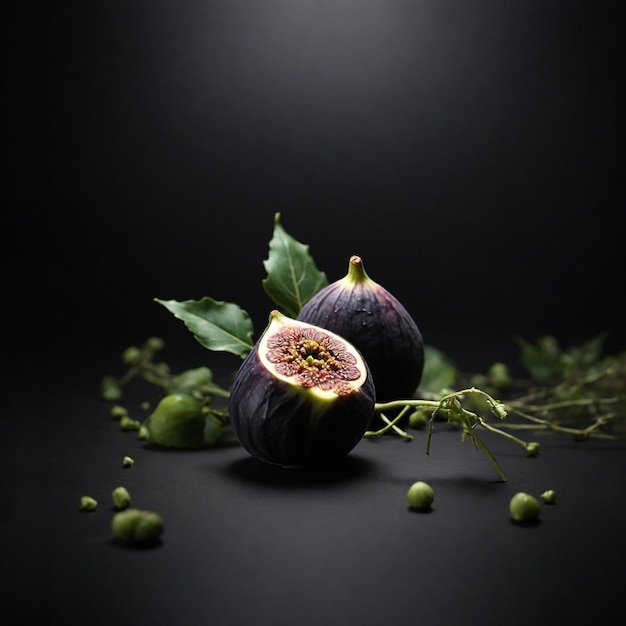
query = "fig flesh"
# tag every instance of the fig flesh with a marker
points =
(303, 396)
(377, 324)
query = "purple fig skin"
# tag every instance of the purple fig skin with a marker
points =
(377, 324)
(283, 423)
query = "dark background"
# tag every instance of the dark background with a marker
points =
(468, 151)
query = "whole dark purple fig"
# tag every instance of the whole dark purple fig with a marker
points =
(377, 324)
(303, 396)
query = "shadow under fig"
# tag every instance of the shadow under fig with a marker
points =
(349, 469)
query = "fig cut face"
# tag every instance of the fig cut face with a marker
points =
(314, 359)
(303, 396)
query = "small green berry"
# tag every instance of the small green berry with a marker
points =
(131, 356)
(523, 507)
(532, 448)
(121, 498)
(213, 430)
(549, 496)
(155, 344)
(143, 433)
(145, 406)
(87, 503)
(164, 367)
(135, 526)
(500, 376)
(478, 380)
(418, 419)
(126, 423)
(127, 461)
(110, 389)
(118, 411)
(420, 496)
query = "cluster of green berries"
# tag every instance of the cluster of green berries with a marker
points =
(131, 526)
(524, 507)
(141, 364)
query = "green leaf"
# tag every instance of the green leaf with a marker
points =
(292, 276)
(439, 371)
(589, 352)
(196, 382)
(543, 359)
(217, 325)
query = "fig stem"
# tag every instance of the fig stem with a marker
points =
(356, 270)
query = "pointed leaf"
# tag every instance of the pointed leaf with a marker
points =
(543, 359)
(440, 372)
(292, 276)
(217, 325)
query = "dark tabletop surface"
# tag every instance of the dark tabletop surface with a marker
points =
(250, 543)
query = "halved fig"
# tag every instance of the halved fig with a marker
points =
(303, 396)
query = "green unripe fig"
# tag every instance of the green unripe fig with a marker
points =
(136, 526)
(178, 421)
(213, 430)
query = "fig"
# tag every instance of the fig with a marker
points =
(377, 324)
(179, 421)
(303, 396)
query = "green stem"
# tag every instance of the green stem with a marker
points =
(128, 376)
(390, 424)
(497, 431)
(589, 431)
(379, 407)
(396, 428)
(489, 454)
(431, 422)
(214, 390)
(153, 378)
(565, 404)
